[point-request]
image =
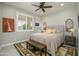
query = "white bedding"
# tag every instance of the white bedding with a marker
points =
(51, 40)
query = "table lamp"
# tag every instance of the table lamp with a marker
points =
(71, 30)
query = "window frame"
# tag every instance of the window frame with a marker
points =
(17, 29)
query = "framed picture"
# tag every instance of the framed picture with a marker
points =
(7, 24)
(68, 24)
(36, 24)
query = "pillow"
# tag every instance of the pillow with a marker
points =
(58, 31)
(50, 30)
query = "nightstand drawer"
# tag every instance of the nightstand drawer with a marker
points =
(69, 40)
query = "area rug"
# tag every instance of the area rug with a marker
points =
(62, 51)
(23, 51)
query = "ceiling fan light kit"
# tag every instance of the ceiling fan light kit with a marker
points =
(61, 4)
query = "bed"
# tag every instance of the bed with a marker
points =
(52, 39)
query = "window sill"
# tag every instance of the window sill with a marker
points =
(24, 30)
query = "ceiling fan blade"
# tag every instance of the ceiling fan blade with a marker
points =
(37, 9)
(43, 10)
(47, 7)
(35, 5)
(42, 3)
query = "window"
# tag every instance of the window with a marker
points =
(24, 22)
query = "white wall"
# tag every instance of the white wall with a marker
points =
(10, 11)
(0, 15)
(62, 16)
(39, 20)
(59, 18)
(0, 9)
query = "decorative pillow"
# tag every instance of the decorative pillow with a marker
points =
(50, 30)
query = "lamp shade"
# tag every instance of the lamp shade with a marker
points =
(72, 30)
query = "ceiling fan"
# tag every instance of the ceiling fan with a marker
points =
(41, 6)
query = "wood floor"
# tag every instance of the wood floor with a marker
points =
(9, 51)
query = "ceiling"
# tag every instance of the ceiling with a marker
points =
(30, 8)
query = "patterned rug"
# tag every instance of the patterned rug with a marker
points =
(62, 51)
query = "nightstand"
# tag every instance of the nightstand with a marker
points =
(70, 40)
(70, 43)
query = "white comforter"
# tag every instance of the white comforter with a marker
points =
(51, 40)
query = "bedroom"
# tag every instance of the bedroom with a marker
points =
(51, 21)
